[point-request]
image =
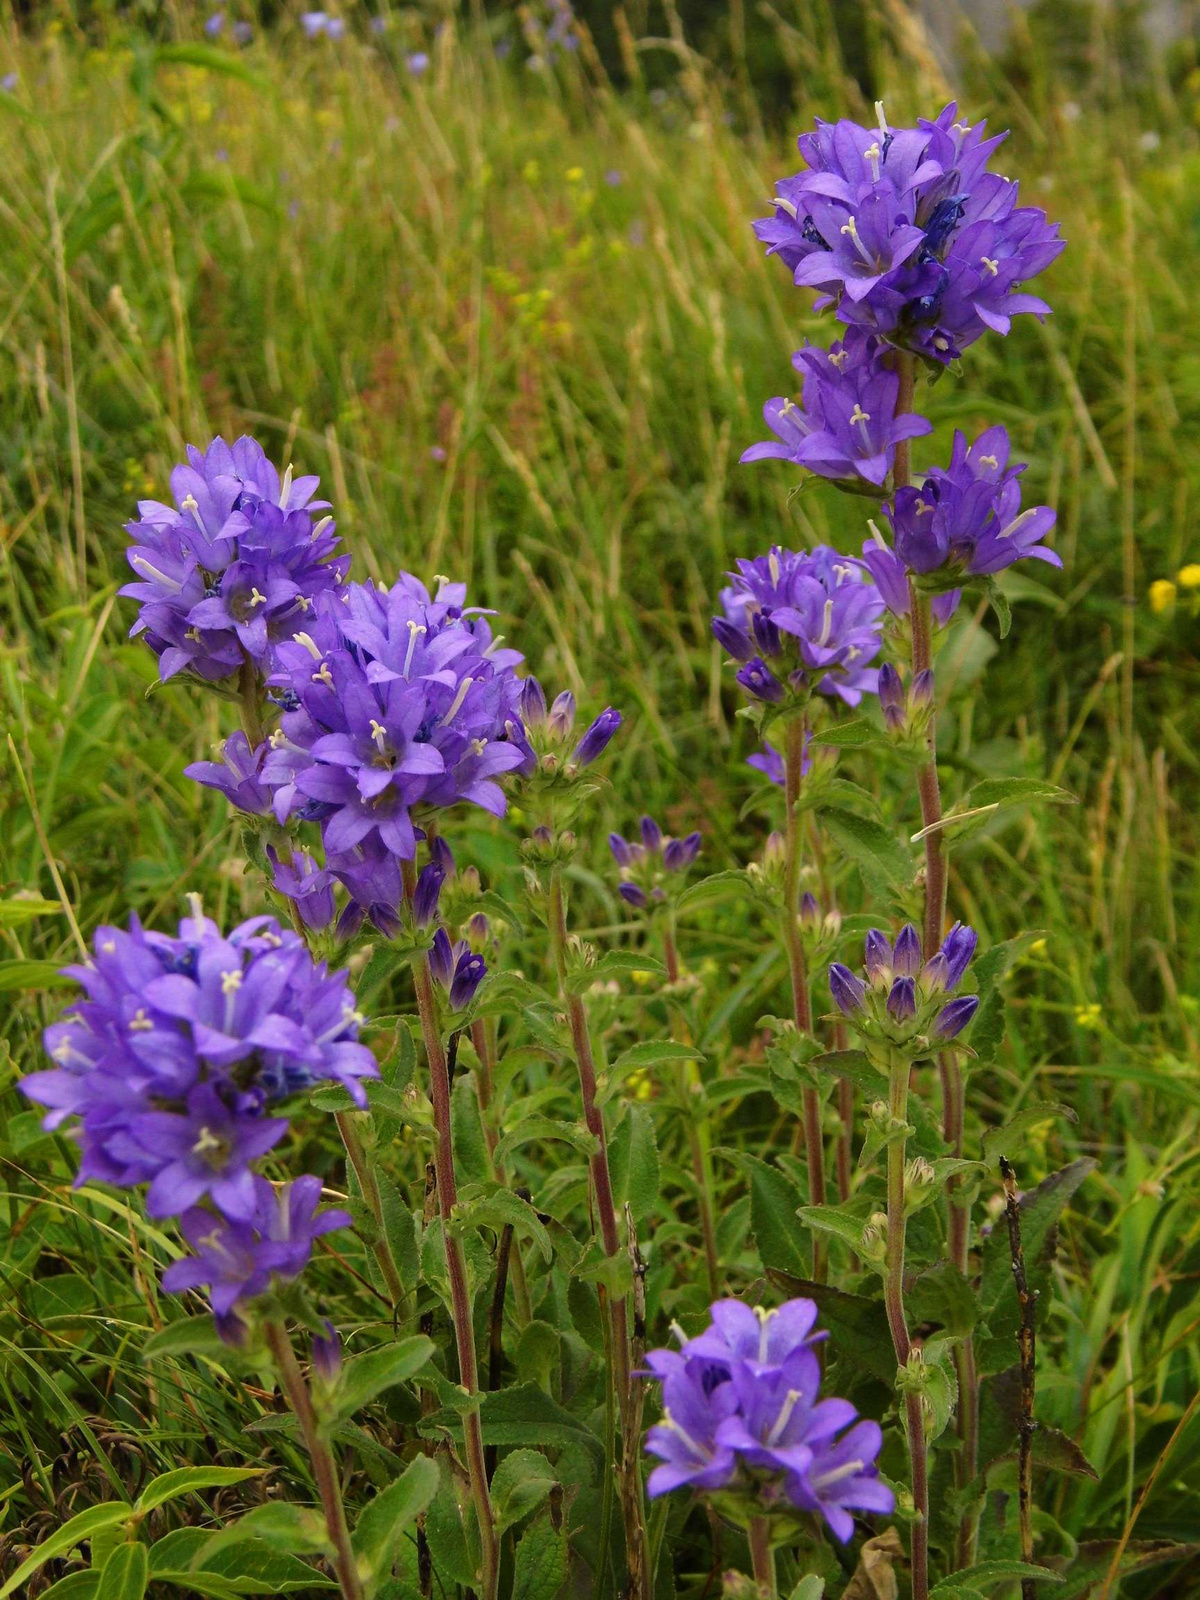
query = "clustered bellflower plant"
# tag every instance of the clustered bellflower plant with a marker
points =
(371, 714)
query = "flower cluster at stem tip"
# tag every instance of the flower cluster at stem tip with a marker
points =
(743, 1424)
(652, 867)
(904, 1003)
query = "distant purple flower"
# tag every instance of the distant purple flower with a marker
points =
(742, 1418)
(647, 866)
(906, 999)
(965, 521)
(613, 178)
(457, 968)
(215, 24)
(238, 775)
(846, 426)
(181, 1045)
(815, 616)
(238, 1259)
(9, 82)
(233, 566)
(242, 33)
(318, 23)
(417, 63)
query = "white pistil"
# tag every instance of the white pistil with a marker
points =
(464, 689)
(324, 675)
(851, 227)
(1015, 524)
(478, 746)
(495, 644)
(190, 504)
(304, 601)
(193, 634)
(787, 408)
(150, 571)
(859, 415)
(108, 947)
(773, 565)
(320, 529)
(309, 643)
(794, 1396)
(285, 488)
(231, 981)
(880, 542)
(415, 629)
(140, 1022)
(992, 266)
(882, 120)
(257, 598)
(207, 1143)
(277, 739)
(989, 461)
(195, 905)
(838, 358)
(350, 1015)
(871, 154)
(785, 205)
(826, 624)
(379, 734)
(920, 507)
(835, 1474)
(764, 1317)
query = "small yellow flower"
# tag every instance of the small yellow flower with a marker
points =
(531, 172)
(1162, 595)
(640, 1085)
(1089, 1016)
(1038, 947)
(1189, 577)
(574, 174)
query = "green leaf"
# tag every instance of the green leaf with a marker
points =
(651, 1053)
(520, 1414)
(1017, 791)
(385, 1519)
(810, 1587)
(279, 1524)
(774, 1203)
(364, 1377)
(65, 1539)
(31, 975)
(1008, 1139)
(843, 1222)
(613, 964)
(998, 601)
(540, 1568)
(876, 848)
(125, 1574)
(1092, 1561)
(75, 1586)
(986, 1573)
(491, 1205)
(633, 1162)
(942, 1295)
(530, 1128)
(190, 1336)
(211, 58)
(446, 1529)
(19, 908)
(183, 1479)
(855, 735)
(205, 1583)
(713, 888)
(520, 1483)
(251, 1565)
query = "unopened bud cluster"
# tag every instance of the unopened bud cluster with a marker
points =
(904, 1002)
(652, 869)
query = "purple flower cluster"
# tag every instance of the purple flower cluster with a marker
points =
(907, 234)
(171, 1063)
(965, 521)
(237, 1259)
(845, 427)
(906, 1001)
(741, 1417)
(548, 730)
(800, 622)
(233, 566)
(648, 865)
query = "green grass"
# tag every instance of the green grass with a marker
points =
(304, 243)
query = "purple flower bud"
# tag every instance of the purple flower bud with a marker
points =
(441, 958)
(469, 973)
(562, 715)
(327, 1353)
(877, 955)
(633, 894)
(758, 680)
(955, 1016)
(441, 853)
(479, 931)
(891, 696)
(652, 834)
(906, 958)
(958, 947)
(902, 1000)
(308, 887)
(596, 740)
(532, 703)
(810, 911)
(934, 974)
(849, 992)
(922, 687)
(680, 853)
(733, 640)
(623, 851)
(427, 892)
(766, 634)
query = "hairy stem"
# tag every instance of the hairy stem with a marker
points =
(324, 1468)
(798, 971)
(618, 1317)
(762, 1556)
(456, 1266)
(697, 1126)
(898, 1324)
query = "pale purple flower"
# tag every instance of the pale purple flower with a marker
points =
(457, 968)
(906, 999)
(647, 866)
(238, 775)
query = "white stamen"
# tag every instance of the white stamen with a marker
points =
(140, 1022)
(785, 1416)
(108, 947)
(285, 488)
(880, 542)
(495, 644)
(349, 1014)
(414, 629)
(773, 566)
(846, 1470)
(231, 981)
(151, 571)
(1015, 524)
(883, 127)
(320, 529)
(785, 205)
(309, 643)
(463, 690)
(826, 624)
(195, 905)
(992, 266)
(378, 733)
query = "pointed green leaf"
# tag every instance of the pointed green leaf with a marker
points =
(520, 1483)
(540, 1568)
(65, 1539)
(125, 1574)
(385, 1520)
(364, 1377)
(185, 1479)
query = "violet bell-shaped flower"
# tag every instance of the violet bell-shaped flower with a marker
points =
(846, 426)
(817, 613)
(907, 1002)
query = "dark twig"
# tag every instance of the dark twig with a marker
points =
(1027, 1345)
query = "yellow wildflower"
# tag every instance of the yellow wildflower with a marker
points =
(1189, 577)
(1162, 595)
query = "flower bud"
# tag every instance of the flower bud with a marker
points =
(878, 958)
(919, 1183)
(891, 696)
(849, 993)
(532, 703)
(954, 1018)
(759, 681)
(873, 1243)
(327, 1353)
(596, 740)
(562, 715)
(810, 912)
(906, 958)
(901, 1000)
(427, 892)
(733, 640)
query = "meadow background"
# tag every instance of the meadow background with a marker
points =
(515, 318)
